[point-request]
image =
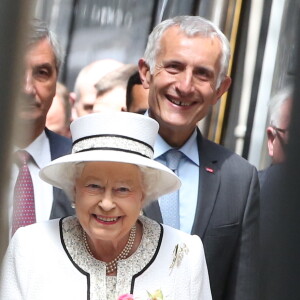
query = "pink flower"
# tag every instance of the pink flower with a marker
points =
(126, 297)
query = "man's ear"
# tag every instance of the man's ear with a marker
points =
(271, 134)
(223, 88)
(145, 75)
(72, 98)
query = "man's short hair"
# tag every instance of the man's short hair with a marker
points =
(133, 80)
(38, 31)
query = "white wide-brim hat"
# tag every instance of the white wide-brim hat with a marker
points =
(113, 137)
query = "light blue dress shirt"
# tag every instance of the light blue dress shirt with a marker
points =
(188, 172)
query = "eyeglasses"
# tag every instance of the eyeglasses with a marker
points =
(282, 135)
(281, 130)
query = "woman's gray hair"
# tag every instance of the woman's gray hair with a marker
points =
(76, 170)
(38, 31)
(191, 26)
(149, 177)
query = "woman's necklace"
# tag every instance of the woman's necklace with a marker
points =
(112, 265)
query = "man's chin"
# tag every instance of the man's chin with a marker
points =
(176, 120)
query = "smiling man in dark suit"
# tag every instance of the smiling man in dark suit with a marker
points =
(42, 61)
(184, 67)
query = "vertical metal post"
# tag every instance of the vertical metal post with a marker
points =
(70, 40)
(13, 16)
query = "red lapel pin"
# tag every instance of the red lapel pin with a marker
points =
(209, 170)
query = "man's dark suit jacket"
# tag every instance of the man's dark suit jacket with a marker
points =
(226, 220)
(263, 175)
(59, 146)
(279, 233)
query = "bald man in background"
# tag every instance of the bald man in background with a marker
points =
(84, 96)
(111, 89)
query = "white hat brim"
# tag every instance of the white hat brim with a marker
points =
(59, 172)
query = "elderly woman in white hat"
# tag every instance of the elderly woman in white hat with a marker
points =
(108, 250)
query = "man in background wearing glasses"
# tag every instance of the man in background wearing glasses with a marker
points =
(277, 132)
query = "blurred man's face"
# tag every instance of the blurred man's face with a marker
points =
(39, 82)
(278, 136)
(85, 104)
(111, 100)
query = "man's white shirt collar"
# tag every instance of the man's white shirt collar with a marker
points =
(39, 150)
(189, 149)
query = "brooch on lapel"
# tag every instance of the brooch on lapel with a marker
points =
(178, 254)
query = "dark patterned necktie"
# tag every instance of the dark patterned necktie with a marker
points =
(169, 203)
(23, 206)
